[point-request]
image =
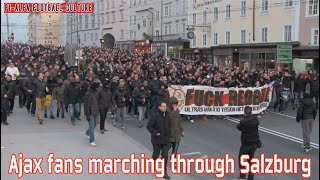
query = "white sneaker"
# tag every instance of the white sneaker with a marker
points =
(93, 144)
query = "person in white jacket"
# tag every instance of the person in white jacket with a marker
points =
(13, 71)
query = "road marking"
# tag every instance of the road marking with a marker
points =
(285, 136)
(192, 153)
(283, 115)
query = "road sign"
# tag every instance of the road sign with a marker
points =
(284, 53)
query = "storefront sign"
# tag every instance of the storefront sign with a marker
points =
(205, 100)
(257, 50)
(284, 54)
(206, 3)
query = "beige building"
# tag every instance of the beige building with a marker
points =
(44, 29)
(243, 33)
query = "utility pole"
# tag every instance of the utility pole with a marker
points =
(8, 34)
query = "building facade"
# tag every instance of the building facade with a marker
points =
(243, 33)
(307, 55)
(159, 25)
(114, 23)
(84, 29)
(44, 29)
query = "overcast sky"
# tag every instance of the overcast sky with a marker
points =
(18, 23)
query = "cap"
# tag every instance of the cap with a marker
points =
(173, 100)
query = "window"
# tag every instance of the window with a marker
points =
(184, 6)
(91, 37)
(243, 8)
(134, 19)
(49, 24)
(93, 19)
(108, 18)
(108, 5)
(102, 5)
(85, 37)
(243, 36)
(177, 27)
(265, 6)
(167, 10)
(205, 17)
(80, 22)
(49, 16)
(112, 3)
(228, 11)
(113, 16)
(194, 41)
(315, 37)
(170, 29)
(86, 21)
(131, 34)
(157, 15)
(215, 14)
(288, 4)
(102, 19)
(264, 34)
(313, 7)
(121, 15)
(215, 38)
(184, 27)
(194, 18)
(130, 20)
(157, 33)
(96, 36)
(121, 3)
(287, 33)
(165, 30)
(204, 39)
(144, 23)
(134, 34)
(121, 34)
(227, 37)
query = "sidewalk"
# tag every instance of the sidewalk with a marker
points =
(25, 135)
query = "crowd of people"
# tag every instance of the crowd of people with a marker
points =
(130, 82)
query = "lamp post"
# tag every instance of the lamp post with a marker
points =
(101, 42)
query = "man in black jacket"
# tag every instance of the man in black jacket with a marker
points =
(72, 100)
(160, 128)
(307, 113)
(104, 101)
(142, 96)
(91, 111)
(4, 101)
(30, 93)
(250, 140)
(11, 93)
(40, 90)
(314, 88)
(121, 97)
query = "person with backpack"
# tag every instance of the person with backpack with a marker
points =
(306, 113)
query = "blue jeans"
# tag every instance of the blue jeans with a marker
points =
(142, 112)
(297, 98)
(92, 121)
(50, 107)
(73, 110)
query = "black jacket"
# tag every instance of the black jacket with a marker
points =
(159, 123)
(249, 130)
(119, 96)
(40, 88)
(104, 98)
(299, 85)
(306, 110)
(164, 96)
(314, 86)
(72, 94)
(140, 95)
(91, 104)
(12, 89)
(29, 85)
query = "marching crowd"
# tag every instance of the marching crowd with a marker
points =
(126, 82)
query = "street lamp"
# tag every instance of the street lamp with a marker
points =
(101, 42)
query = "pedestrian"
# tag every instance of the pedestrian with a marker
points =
(4, 101)
(91, 110)
(59, 97)
(104, 101)
(72, 99)
(142, 97)
(314, 88)
(22, 93)
(159, 127)
(49, 101)
(11, 93)
(121, 96)
(30, 93)
(306, 113)
(40, 95)
(250, 139)
(176, 125)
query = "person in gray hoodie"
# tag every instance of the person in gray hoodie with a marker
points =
(306, 113)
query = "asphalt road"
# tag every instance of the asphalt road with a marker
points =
(280, 134)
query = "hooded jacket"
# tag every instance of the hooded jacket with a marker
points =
(249, 130)
(307, 109)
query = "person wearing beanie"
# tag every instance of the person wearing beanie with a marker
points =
(306, 113)
(91, 110)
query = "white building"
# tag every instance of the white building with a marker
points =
(162, 22)
(84, 29)
(114, 23)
